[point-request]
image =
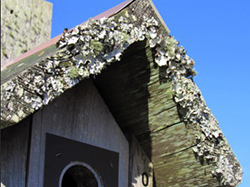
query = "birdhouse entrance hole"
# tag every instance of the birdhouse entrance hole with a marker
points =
(79, 174)
(70, 163)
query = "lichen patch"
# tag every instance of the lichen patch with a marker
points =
(90, 48)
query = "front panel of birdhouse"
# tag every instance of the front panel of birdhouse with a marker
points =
(72, 163)
(76, 142)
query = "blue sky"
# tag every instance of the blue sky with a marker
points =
(216, 34)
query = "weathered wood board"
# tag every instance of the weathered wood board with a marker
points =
(140, 167)
(141, 100)
(14, 153)
(140, 97)
(168, 141)
(183, 169)
(79, 114)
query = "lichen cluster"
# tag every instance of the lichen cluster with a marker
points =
(84, 51)
(211, 144)
(89, 48)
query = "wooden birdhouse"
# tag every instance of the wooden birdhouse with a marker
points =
(110, 103)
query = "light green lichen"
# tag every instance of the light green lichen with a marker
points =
(81, 53)
(73, 72)
(96, 46)
(124, 37)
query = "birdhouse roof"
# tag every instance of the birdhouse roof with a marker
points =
(146, 80)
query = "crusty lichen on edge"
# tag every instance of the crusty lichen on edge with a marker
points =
(88, 49)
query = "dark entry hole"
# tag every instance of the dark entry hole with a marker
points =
(79, 176)
(11, 11)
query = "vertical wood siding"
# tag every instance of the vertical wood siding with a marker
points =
(79, 114)
(14, 151)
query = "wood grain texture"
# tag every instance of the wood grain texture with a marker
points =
(168, 141)
(140, 167)
(183, 169)
(140, 98)
(141, 101)
(14, 154)
(79, 114)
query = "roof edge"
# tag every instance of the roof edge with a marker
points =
(112, 11)
(159, 16)
(75, 61)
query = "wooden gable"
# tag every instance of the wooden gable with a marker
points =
(145, 79)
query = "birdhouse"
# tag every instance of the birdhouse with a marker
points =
(111, 102)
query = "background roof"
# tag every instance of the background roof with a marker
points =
(216, 35)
